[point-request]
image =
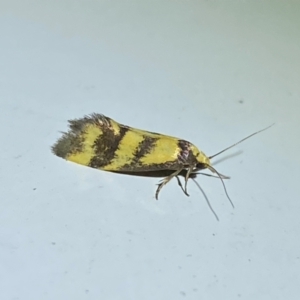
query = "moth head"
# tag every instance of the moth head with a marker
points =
(203, 161)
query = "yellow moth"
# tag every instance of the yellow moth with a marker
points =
(102, 143)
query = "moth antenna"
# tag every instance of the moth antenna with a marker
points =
(220, 176)
(249, 136)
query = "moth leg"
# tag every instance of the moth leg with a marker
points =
(187, 176)
(165, 181)
(179, 183)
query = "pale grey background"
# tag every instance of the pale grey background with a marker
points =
(210, 72)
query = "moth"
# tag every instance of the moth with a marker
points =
(100, 142)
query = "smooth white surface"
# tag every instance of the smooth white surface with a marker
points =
(210, 72)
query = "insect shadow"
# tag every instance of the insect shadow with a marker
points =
(228, 156)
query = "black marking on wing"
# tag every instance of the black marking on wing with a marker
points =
(105, 147)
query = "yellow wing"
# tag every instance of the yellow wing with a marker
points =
(100, 142)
